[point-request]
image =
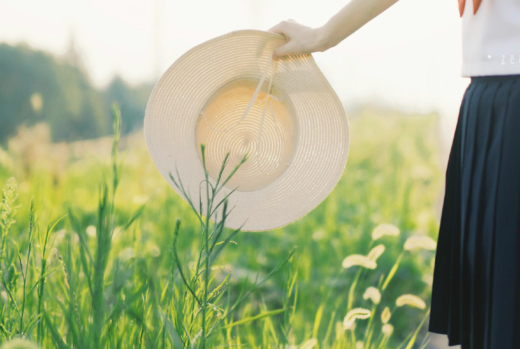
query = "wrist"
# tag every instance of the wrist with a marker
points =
(322, 39)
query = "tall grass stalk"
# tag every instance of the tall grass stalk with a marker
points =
(212, 244)
(45, 246)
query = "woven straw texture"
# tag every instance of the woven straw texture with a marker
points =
(304, 131)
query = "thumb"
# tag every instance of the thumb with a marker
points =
(284, 50)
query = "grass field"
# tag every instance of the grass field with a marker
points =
(97, 251)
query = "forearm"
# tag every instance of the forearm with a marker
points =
(303, 39)
(349, 19)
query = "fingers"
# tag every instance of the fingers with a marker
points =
(278, 28)
(284, 50)
(284, 28)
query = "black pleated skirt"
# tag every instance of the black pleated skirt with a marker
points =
(476, 280)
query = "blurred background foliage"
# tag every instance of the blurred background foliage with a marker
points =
(38, 87)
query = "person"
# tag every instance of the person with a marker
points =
(475, 297)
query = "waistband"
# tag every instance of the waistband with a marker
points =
(494, 78)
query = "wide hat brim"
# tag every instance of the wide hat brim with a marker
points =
(318, 158)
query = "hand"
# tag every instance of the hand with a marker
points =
(302, 39)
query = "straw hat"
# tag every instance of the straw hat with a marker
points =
(229, 94)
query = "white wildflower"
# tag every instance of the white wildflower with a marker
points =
(411, 300)
(385, 315)
(420, 241)
(385, 229)
(368, 261)
(356, 313)
(357, 259)
(387, 330)
(372, 293)
(376, 252)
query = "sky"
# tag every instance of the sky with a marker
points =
(409, 57)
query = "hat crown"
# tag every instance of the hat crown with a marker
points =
(264, 130)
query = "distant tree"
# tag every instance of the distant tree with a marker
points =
(37, 87)
(132, 101)
(22, 75)
(34, 87)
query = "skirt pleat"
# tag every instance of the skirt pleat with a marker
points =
(476, 279)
